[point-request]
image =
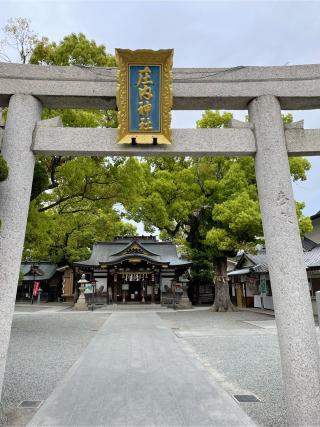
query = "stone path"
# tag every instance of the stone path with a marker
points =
(135, 373)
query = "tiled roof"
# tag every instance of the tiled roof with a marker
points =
(44, 270)
(312, 258)
(110, 252)
(260, 261)
(308, 244)
(315, 216)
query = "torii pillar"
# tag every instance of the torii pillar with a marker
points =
(23, 113)
(294, 318)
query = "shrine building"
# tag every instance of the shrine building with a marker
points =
(133, 269)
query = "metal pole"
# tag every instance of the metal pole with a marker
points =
(39, 295)
(34, 278)
(24, 111)
(296, 330)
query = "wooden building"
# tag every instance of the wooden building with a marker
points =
(44, 272)
(251, 273)
(68, 283)
(133, 269)
(250, 281)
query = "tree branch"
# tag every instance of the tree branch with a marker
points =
(58, 202)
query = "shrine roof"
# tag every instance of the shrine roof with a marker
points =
(144, 247)
(315, 216)
(312, 258)
(43, 270)
(308, 244)
(259, 263)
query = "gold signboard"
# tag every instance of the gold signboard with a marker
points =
(144, 96)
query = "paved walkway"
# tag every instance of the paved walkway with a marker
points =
(135, 373)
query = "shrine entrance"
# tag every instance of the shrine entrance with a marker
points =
(263, 91)
(133, 269)
(135, 292)
(134, 287)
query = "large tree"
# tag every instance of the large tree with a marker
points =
(74, 49)
(74, 199)
(211, 203)
(236, 222)
(81, 208)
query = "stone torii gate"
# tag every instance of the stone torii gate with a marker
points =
(261, 90)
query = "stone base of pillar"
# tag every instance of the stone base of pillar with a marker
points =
(81, 305)
(3, 418)
(184, 303)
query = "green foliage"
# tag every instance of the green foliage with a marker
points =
(210, 202)
(83, 118)
(298, 168)
(167, 195)
(298, 165)
(68, 238)
(3, 169)
(40, 179)
(214, 119)
(65, 221)
(74, 199)
(74, 49)
(287, 118)
(231, 195)
(305, 223)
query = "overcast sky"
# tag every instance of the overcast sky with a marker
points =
(202, 33)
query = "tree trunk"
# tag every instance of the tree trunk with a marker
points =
(222, 300)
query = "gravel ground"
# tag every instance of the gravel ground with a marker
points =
(42, 349)
(243, 357)
(243, 363)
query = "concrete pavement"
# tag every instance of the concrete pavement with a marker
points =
(135, 373)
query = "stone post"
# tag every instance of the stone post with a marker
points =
(152, 292)
(115, 288)
(81, 304)
(294, 318)
(24, 111)
(184, 301)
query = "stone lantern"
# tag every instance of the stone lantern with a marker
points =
(184, 301)
(81, 304)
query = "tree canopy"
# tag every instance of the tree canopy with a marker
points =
(74, 49)
(74, 199)
(209, 204)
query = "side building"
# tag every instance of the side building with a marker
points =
(46, 274)
(250, 282)
(133, 269)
